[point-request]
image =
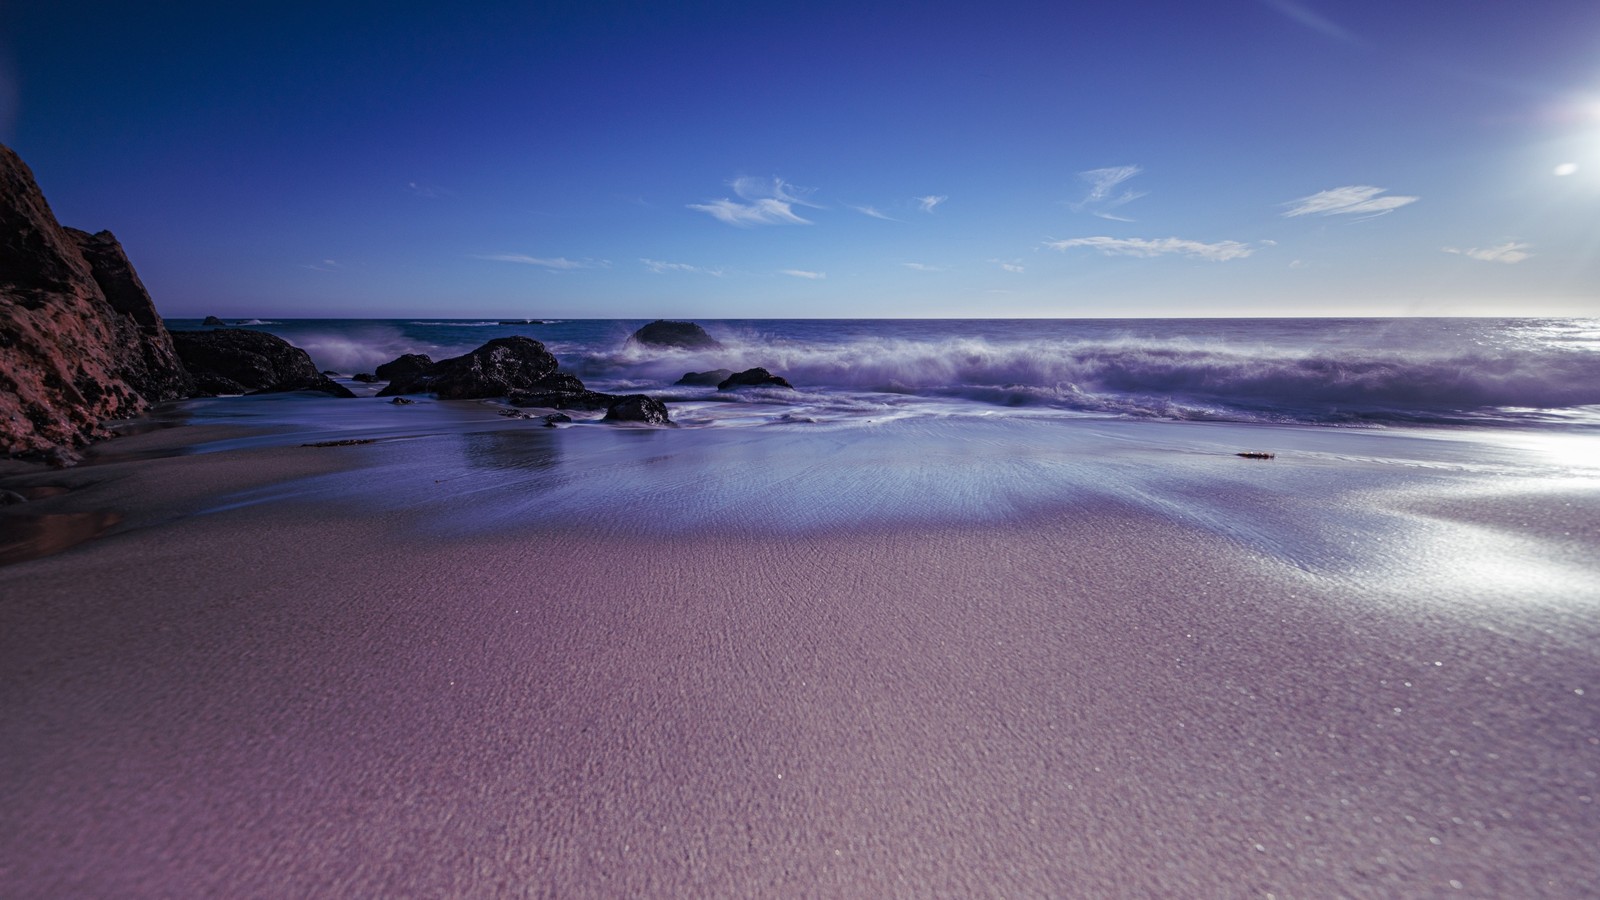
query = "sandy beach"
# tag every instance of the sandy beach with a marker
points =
(250, 686)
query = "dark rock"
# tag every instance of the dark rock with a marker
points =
(704, 379)
(496, 369)
(214, 322)
(559, 399)
(402, 401)
(685, 335)
(329, 372)
(408, 366)
(638, 408)
(365, 378)
(80, 341)
(757, 377)
(7, 498)
(242, 361)
(555, 419)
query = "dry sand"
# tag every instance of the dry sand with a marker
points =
(313, 698)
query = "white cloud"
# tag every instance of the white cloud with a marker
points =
(1220, 251)
(802, 273)
(773, 188)
(874, 212)
(1355, 199)
(923, 267)
(431, 191)
(1308, 17)
(771, 201)
(557, 263)
(1509, 253)
(1103, 196)
(659, 266)
(761, 212)
(1010, 265)
(326, 265)
(926, 204)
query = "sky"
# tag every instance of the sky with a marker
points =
(759, 160)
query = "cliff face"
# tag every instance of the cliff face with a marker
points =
(80, 341)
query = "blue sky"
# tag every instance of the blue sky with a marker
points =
(732, 160)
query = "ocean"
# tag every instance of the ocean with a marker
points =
(1369, 373)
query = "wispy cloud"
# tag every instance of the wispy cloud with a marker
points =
(1010, 265)
(431, 191)
(923, 267)
(659, 266)
(554, 263)
(802, 273)
(1103, 196)
(768, 201)
(874, 212)
(1313, 20)
(1220, 251)
(1355, 199)
(1509, 253)
(326, 265)
(927, 203)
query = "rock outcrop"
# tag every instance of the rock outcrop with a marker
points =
(80, 342)
(703, 379)
(495, 369)
(408, 365)
(757, 377)
(684, 335)
(214, 322)
(638, 408)
(243, 361)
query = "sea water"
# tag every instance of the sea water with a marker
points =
(1533, 373)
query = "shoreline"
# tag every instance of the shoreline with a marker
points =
(289, 673)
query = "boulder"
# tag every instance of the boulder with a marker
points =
(364, 377)
(757, 377)
(243, 361)
(409, 365)
(495, 369)
(638, 408)
(214, 322)
(80, 341)
(684, 335)
(703, 379)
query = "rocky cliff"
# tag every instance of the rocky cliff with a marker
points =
(80, 341)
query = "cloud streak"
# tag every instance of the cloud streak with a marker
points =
(802, 273)
(554, 263)
(1009, 265)
(1103, 196)
(1313, 20)
(927, 203)
(767, 201)
(874, 212)
(1509, 253)
(660, 266)
(1355, 199)
(1221, 251)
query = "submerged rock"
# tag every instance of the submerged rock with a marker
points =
(242, 361)
(703, 379)
(402, 401)
(685, 335)
(495, 369)
(757, 377)
(365, 378)
(214, 322)
(638, 408)
(406, 366)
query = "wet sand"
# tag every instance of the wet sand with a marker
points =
(256, 684)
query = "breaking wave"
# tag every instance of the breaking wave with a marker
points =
(1170, 379)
